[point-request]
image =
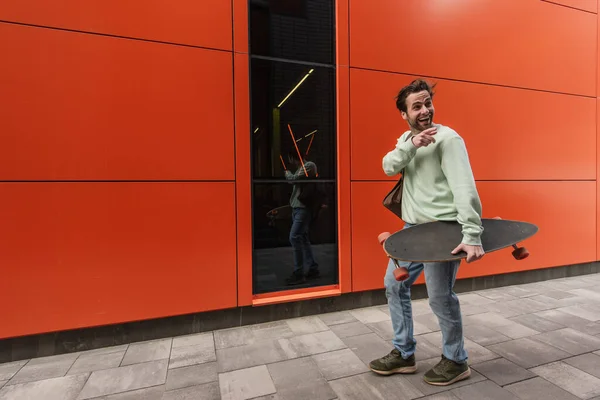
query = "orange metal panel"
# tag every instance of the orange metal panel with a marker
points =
(79, 106)
(242, 179)
(598, 183)
(492, 41)
(87, 254)
(344, 188)
(564, 211)
(342, 32)
(204, 23)
(511, 134)
(585, 5)
(240, 26)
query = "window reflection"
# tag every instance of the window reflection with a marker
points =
(293, 29)
(315, 242)
(292, 110)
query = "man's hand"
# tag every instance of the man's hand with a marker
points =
(424, 138)
(474, 253)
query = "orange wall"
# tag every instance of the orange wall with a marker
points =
(117, 163)
(124, 144)
(517, 96)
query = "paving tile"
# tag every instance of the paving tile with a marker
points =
(9, 370)
(502, 371)
(383, 329)
(151, 393)
(147, 351)
(496, 294)
(105, 350)
(191, 355)
(489, 319)
(312, 343)
(300, 379)
(571, 379)
(191, 376)
(251, 355)
(516, 330)
(483, 335)
(339, 364)
(95, 362)
(473, 299)
(538, 323)
(369, 315)
(470, 309)
(252, 334)
(538, 388)
(592, 328)
(569, 340)
(368, 347)
(302, 326)
(336, 318)
(562, 318)
(589, 293)
(528, 305)
(373, 386)
(486, 390)
(420, 307)
(440, 396)
(246, 383)
(589, 363)
(559, 294)
(503, 310)
(44, 368)
(521, 292)
(63, 388)
(208, 391)
(429, 321)
(528, 353)
(423, 366)
(205, 339)
(350, 329)
(122, 379)
(476, 352)
(585, 311)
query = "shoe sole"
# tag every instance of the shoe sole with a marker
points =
(460, 377)
(403, 370)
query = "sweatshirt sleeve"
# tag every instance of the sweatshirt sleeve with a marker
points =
(397, 159)
(456, 167)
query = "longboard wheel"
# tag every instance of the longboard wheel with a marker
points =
(383, 236)
(520, 253)
(401, 274)
(496, 218)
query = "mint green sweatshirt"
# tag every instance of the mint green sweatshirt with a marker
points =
(438, 182)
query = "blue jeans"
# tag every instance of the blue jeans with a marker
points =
(439, 278)
(299, 239)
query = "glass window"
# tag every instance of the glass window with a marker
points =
(293, 29)
(294, 153)
(274, 256)
(293, 109)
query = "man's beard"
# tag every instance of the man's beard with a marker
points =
(416, 125)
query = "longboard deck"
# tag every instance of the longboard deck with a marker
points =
(434, 241)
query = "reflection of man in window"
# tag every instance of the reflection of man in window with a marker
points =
(303, 201)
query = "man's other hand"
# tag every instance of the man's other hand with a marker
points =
(474, 253)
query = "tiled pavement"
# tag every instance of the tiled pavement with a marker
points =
(536, 341)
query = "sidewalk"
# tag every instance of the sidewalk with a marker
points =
(529, 342)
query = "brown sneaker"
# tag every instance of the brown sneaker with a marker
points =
(393, 363)
(447, 372)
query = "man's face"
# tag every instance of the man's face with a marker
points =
(419, 111)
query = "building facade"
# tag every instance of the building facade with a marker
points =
(143, 146)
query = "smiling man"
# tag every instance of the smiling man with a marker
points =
(438, 186)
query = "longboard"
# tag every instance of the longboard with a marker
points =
(434, 241)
